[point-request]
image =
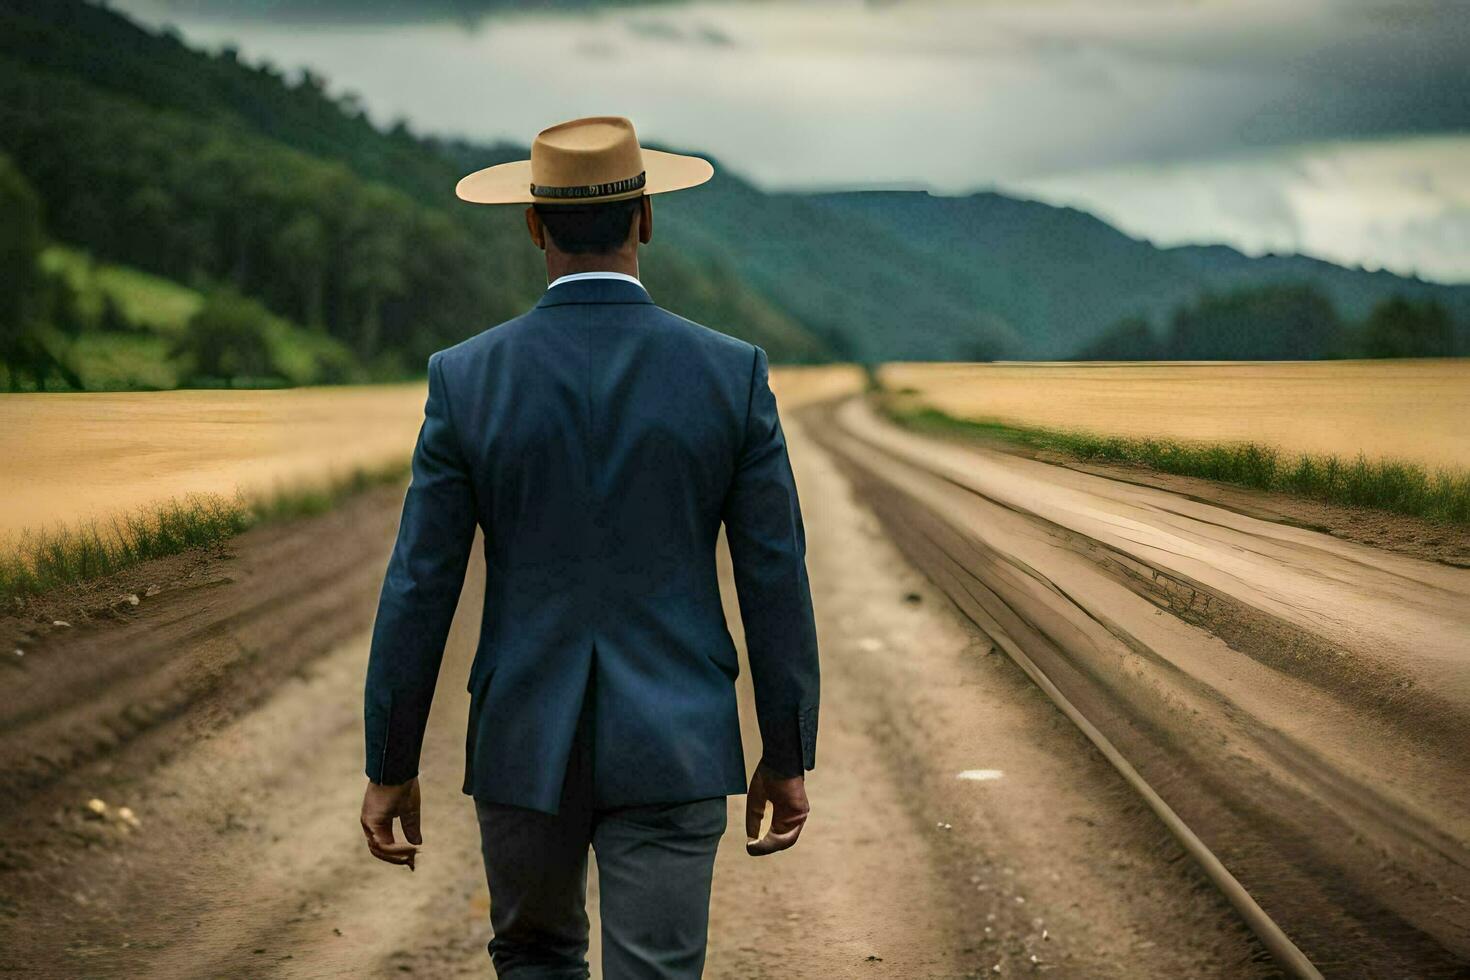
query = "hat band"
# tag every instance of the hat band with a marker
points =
(592, 190)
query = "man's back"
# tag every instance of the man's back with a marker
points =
(599, 441)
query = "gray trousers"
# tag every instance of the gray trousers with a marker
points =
(654, 868)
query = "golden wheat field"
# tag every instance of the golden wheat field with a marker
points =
(72, 457)
(1417, 410)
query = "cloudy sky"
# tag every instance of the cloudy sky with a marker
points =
(1339, 128)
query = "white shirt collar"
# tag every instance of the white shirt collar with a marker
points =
(596, 274)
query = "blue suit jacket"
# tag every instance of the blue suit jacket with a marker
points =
(599, 441)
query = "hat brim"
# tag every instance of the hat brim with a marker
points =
(510, 183)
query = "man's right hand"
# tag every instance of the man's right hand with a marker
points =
(380, 804)
(789, 809)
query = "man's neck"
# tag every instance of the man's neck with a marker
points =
(561, 264)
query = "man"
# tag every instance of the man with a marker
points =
(599, 442)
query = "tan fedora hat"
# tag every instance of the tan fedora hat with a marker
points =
(580, 161)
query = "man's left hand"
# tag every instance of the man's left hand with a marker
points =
(380, 804)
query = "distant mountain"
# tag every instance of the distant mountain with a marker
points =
(209, 171)
(909, 275)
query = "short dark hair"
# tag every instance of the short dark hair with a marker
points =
(582, 229)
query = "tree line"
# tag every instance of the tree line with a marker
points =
(228, 339)
(1279, 322)
(206, 203)
(34, 326)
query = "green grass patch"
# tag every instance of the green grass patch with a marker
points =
(125, 328)
(39, 561)
(305, 357)
(123, 362)
(1391, 485)
(152, 302)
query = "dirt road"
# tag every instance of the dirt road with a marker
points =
(961, 825)
(1301, 700)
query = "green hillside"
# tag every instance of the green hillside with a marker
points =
(212, 173)
(1061, 278)
(128, 330)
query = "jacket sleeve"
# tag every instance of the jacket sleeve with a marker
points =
(762, 518)
(419, 595)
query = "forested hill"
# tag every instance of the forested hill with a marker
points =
(211, 172)
(215, 174)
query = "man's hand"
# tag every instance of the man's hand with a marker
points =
(789, 808)
(380, 804)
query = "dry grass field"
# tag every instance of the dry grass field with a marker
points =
(1412, 410)
(74, 457)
